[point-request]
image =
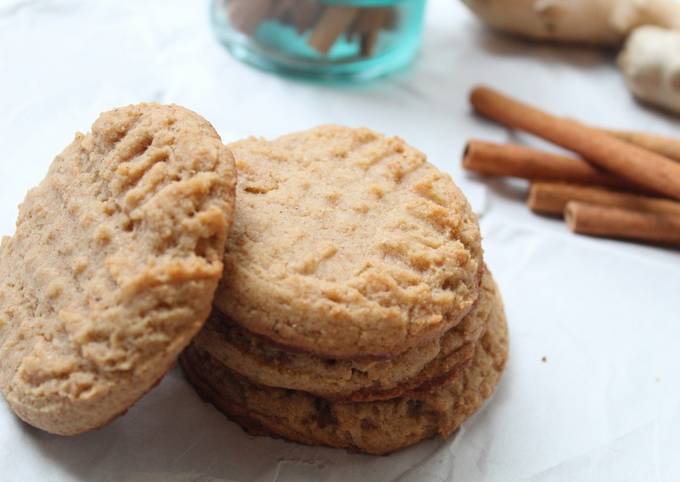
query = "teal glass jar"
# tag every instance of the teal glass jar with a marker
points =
(321, 39)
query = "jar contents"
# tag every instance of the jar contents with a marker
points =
(326, 24)
(325, 39)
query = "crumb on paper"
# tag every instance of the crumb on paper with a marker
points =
(544, 359)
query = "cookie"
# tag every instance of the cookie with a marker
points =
(370, 427)
(347, 244)
(264, 363)
(113, 266)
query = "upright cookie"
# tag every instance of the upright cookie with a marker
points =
(377, 427)
(263, 363)
(113, 266)
(346, 244)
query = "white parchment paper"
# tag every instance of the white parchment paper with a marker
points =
(605, 403)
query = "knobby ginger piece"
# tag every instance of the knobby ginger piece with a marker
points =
(650, 63)
(596, 22)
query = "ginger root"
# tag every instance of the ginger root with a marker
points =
(650, 62)
(596, 22)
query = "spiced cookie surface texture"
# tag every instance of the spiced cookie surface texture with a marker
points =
(347, 243)
(113, 265)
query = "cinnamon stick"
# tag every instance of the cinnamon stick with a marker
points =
(333, 22)
(391, 19)
(372, 21)
(639, 166)
(527, 163)
(282, 8)
(247, 15)
(666, 146)
(306, 14)
(613, 222)
(552, 198)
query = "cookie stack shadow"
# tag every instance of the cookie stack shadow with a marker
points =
(356, 310)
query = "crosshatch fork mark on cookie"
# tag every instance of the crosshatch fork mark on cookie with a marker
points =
(113, 265)
(406, 253)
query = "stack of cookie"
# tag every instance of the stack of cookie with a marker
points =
(355, 309)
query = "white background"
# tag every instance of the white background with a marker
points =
(606, 315)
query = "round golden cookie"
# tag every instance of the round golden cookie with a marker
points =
(264, 363)
(347, 244)
(113, 267)
(371, 427)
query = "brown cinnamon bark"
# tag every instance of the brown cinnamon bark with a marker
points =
(639, 166)
(371, 22)
(333, 22)
(552, 198)
(612, 222)
(527, 163)
(305, 14)
(281, 8)
(391, 19)
(247, 15)
(666, 146)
